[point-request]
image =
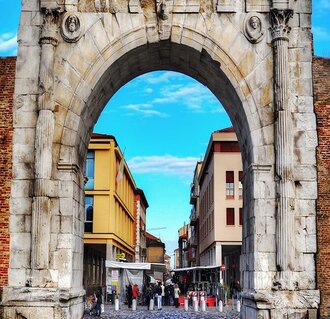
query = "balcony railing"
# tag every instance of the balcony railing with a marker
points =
(193, 216)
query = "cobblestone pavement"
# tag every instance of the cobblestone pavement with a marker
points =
(165, 313)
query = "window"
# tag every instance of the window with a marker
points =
(90, 170)
(230, 185)
(241, 216)
(240, 185)
(88, 214)
(230, 216)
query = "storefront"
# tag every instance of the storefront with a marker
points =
(120, 274)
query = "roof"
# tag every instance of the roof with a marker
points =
(143, 197)
(152, 237)
(226, 130)
(99, 136)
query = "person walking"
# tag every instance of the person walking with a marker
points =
(136, 293)
(129, 295)
(98, 297)
(148, 296)
(238, 289)
(176, 295)
(159, 296)
(163, 294)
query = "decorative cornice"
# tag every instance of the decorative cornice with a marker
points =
(279, 22)
(68, 167)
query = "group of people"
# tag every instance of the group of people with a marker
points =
(94, 302)
(132, 293)
(235, 289)
(161, 295)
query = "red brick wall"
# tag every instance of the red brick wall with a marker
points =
(7, 76)
(321, 79)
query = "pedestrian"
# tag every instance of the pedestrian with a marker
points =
(159, 296)
(129, 295)
(148, 296)
(238, 289)
(98, 298)
(176, 295)
(135, 292)
(91, 303)
(163, 293)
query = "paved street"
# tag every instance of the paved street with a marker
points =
(166, 313)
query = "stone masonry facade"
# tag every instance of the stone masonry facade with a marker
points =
(7, 81)
(321, 86)
(255, 56)
(321, 81)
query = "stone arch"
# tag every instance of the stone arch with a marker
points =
(97, 53)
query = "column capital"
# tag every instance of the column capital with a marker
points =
(49, 34)
(279, 23)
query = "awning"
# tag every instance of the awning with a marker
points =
(124, 265)
(138, 266)
(195, 268)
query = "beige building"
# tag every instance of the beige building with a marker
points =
(220, 219)
(193, 239)
(140, 226)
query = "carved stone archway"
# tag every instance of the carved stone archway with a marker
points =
(254, 55)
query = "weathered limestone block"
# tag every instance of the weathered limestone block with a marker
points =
(305, 172)
(186, 6)
(257, 5)
(22, 188)
(17, 277)
(305, 155)
(265, 262)
(20, 259)
(63, 263)
(305, 207)
(229, 5)
(21, 205)
(27, 63)
(263, 279)
(66, 206)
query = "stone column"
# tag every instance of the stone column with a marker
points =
(43, 189)
(285, 192)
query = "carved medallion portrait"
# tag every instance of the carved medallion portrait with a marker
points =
(71, 28)
(253, 27)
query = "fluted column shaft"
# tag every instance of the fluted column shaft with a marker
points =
(41, 214)
(283, 142)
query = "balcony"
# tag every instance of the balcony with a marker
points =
(194, 194)
(193, 241)
(193, 217)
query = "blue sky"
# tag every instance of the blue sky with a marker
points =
(163, 120)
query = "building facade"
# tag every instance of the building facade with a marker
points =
(221, 199)
(140, 226)
(110, 209)
(184, 234)
(155, 249)
(193, 240)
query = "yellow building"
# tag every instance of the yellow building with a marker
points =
(109, 209)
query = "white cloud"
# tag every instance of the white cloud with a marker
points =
(195, 97)
(161, 77)
(145, 109)
(8, 42)
(164, 165)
